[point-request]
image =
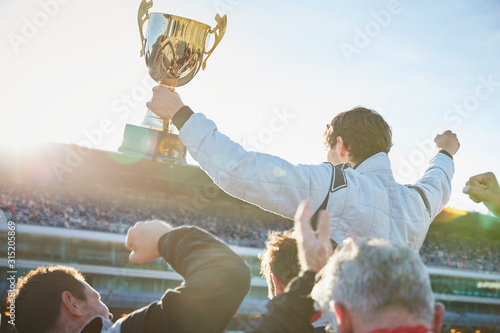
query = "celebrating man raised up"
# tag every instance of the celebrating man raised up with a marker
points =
(356, 187)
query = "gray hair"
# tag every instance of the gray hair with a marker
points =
(374, 276)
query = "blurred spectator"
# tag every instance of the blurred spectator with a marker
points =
(279, 261)
(292, 309)
(58, 299)
(375, 286)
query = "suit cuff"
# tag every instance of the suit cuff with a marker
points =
(180, 118)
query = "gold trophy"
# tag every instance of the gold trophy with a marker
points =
(174, 48)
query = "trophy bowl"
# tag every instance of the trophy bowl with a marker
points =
(174, 48)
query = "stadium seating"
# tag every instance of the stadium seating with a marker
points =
(39, 206)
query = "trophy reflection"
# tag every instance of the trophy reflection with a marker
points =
(174, 48)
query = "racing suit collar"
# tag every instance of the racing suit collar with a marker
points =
(378, 162)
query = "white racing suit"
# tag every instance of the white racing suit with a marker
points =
(365, 201)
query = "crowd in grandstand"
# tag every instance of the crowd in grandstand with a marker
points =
(39, 207)
(465, 253)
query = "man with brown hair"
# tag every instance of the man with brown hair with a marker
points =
(356, 187)
(279, 263)
(361, 131)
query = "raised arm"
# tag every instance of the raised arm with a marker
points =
(265, 180)
(436, 182)
(215, 280)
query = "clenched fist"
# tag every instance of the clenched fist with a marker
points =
(485, 188)
(142, 240)
(447, 141)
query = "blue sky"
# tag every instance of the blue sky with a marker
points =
(424, 65)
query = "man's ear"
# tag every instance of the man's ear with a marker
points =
(343, 316)
(437, 321)
(279, 287)
(341, 148)
(71, 305)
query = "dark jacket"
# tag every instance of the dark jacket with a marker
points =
(215, 282)
(292, 310)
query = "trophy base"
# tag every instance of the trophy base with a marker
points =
(153, 144)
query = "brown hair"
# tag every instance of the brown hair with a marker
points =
(38, 297)
(364, 131)
(280, 258)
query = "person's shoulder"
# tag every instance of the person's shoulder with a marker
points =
(339, 177)
(99, 324)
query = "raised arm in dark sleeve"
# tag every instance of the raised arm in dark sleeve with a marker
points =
(215, 282)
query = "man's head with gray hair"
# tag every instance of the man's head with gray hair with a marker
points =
(374, 284)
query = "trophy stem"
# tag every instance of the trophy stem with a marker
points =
(169, 127)
(151, 120)
(172, 89)
(156, 139)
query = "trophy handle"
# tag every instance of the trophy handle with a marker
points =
(221, 27)
(142, 17)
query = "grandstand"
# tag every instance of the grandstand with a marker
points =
(73, 206)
